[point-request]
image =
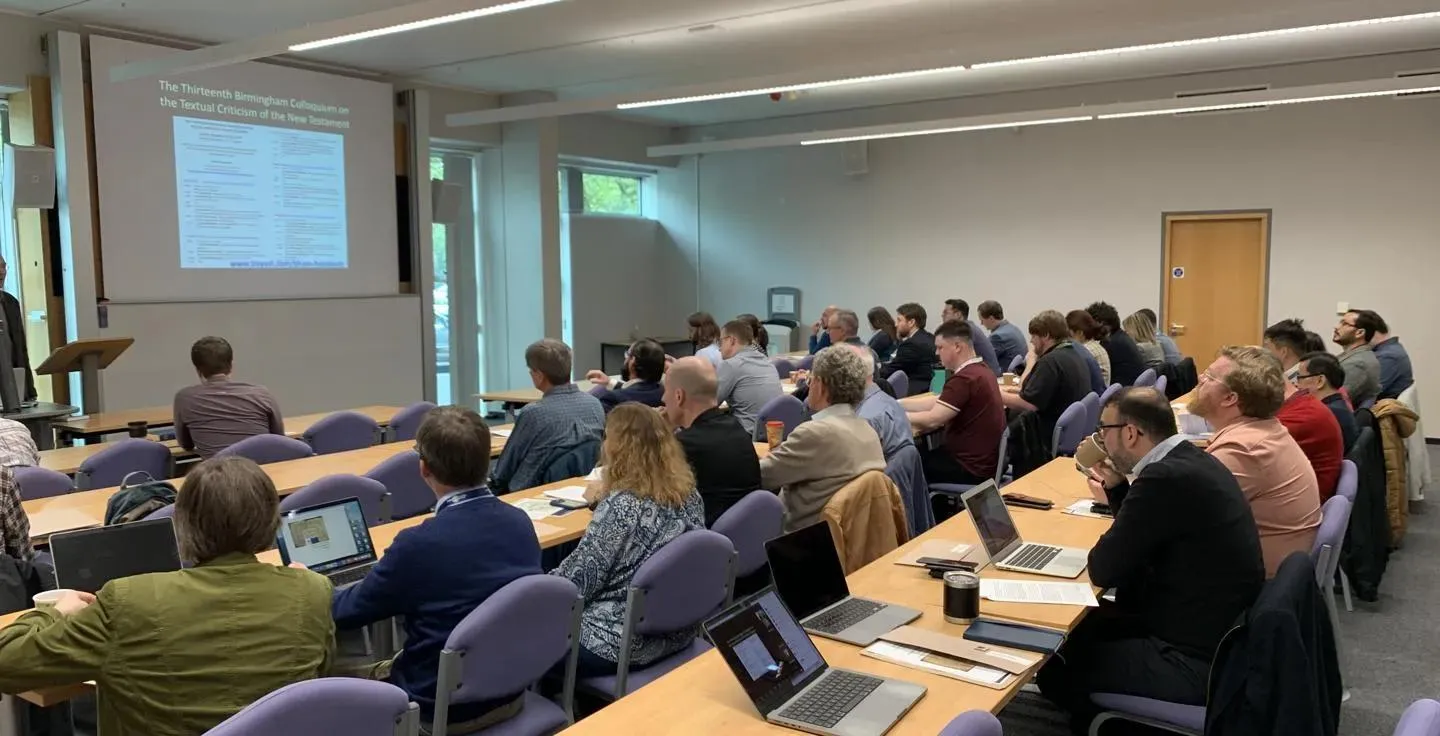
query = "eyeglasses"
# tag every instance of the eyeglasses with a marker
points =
(1104, 427)
(1351, 325)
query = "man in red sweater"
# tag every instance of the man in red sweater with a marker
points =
(1315, 429)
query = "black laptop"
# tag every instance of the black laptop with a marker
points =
(89, 558)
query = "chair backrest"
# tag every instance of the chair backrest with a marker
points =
(1146, 378)
(907, 471)
(110, 466)
(407, 421)
(400, 474)
(784, 367)
(1335, 519)
(1349, 481)
(1160, 383)
(900, 382)
(806, 362)
(756, 519)
(682, 583)
(336, 705)
(1092, 410)
(374, 499)
(268, 448)
(1002, 459)
(572, 462)
(972, 723)
(1015, 363)
(784, 409)
(37, 482)
(1070, 429)
(341, 431)
(1422, 718)
(164, 512)
(1109, 391)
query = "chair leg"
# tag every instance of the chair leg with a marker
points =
(1345, 590)
(1334, 612)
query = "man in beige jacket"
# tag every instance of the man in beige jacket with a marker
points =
(831, 449)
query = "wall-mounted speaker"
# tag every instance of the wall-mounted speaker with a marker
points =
(446, 199)
(29, 177)
(856, 158)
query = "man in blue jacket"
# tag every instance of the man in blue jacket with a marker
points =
(435, 574)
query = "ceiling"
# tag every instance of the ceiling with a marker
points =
(582, 49)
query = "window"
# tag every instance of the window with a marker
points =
(602, 192)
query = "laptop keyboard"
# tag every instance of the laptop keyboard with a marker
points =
(349, 577)
(1033, 556)
(843, 616)
(837, 693)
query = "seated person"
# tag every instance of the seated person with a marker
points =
(1362, 368)
(1007, 339)
(563, 419)
(747, 378)
(1396, 375)
(820, 331)
(832, 449)
(968, 409)
(1086, 332)
(844, 328)
(433, 575)
(881, 410)
(1183, 556)
(1126, 365)
(1321, 375)
(641, 377)
(175, 653)
(915, 355)
(762, 338)
(721, 453)
(1058, 378)
(17, 445)
(705, 336)
(14, 522)
(1238, 395)
(645, 498)
(884, 340)
(1172, 352)
(1286, 341)
(218, 412)
(1143, 333)
(1316, 430)
(960, 309)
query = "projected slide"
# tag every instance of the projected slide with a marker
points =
(259, 196)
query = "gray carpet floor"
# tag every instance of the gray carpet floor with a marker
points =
(1391, 647)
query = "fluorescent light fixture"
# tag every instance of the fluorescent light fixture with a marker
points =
(790, 88)
(428, 22)
(1267, 103)
(1209, 40)
(959, 129)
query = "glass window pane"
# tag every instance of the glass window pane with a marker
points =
(608, 194)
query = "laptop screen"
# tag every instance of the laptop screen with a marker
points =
(769, 653)
(806, 569)
(992, 519)
(88, 559)
(327, 537)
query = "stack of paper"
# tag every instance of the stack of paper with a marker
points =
(568, 493)
(935, 662)
(536, 508)
(1082, 508)
(1026, 591)
(500, 432)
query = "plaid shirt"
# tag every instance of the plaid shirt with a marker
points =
(14, 524)
(17, 446)
(563, 419)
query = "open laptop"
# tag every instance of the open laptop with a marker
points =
(88, 559)
(808, 576)
(790, 682)
(1003, 543)
(329, 538)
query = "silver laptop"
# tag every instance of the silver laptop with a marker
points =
(329, 538)
(790, 683)
(806, 569)
(1003, 543)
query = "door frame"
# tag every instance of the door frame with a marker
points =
(1266, 218)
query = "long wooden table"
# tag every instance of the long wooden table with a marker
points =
(517, 397)
(702, 696)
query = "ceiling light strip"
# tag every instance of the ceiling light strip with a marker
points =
(1267, 103)
(957, 129)
(426, 23)
(1208, 40)
(790, 88)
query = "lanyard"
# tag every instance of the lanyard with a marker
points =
(459, 498)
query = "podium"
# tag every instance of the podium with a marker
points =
(89, 357)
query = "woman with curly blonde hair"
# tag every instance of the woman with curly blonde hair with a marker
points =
(645, 498)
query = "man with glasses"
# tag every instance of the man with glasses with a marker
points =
(1321, 375)
(1317, 432)
(1362, 368)
(1183, 555)
(747, 378)
(1238, 395)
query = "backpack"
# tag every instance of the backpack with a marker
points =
(135, 502)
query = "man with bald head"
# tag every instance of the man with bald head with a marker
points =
(718, 447)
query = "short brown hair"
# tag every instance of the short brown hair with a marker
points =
(551, 359)
(212, 356)
(913, 312)
(1257, 380)
(991, 309)
(228, 505)
(454, 444)
(1051, 324)
(740, 330)
(1079, 320)
(761, 338)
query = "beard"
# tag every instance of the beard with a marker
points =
(1198, 405)
(1123, 464)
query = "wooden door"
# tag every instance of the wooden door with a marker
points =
(1215, 281)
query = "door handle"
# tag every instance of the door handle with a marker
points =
(1176, 330)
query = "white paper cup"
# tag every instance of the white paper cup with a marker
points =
(49, 598)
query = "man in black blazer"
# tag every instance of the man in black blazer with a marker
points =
(916, 354)
(15, 332)
(1183, 555)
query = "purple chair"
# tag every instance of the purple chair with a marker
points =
(164, 512)
(784, 367)
(900, 382)
(972, 723)
(1172, 717)
(1110, 390)
(957, 490)
(1347, 487)
(1092, 410)
(1147, 378)
(409, 496)
(110, 466)
(1334, 520)
(407, 421)
(37, 482)
(374, 499)
(782, 408)
(1160, 383)
(681, 585)
(805, 363)
(597, 389)
(516, 636)
(1070, 429)
(341, 431)
(907, 471)
(335, 705)
(756, 519)
(1016, 364)
(1422, 718)
(268, 448)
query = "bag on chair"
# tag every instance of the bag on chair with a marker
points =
(135, 502)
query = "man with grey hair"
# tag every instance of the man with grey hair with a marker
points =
(881, 410)
(833, 448)
(844, 327)
(563, 419)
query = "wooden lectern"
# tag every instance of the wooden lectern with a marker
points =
(89, 357)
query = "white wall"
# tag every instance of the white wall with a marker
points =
(20, 54)
(605, 138)
(1062, 215)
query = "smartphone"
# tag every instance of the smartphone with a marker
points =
(943, 564)
(566, 503)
